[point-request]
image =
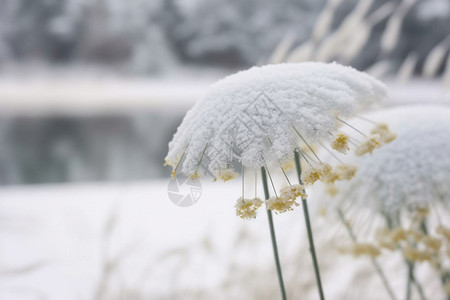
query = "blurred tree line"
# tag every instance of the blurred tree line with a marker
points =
(151, 36)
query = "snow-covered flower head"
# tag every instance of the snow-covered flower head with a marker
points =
(261, 116)
(250, 116)
(411, 171)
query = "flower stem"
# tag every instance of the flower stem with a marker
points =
(410, 265)
(309, 230)
(272, 235)
(375, 263)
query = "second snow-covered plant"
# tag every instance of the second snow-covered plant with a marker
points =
(407, 184)
(266, 118)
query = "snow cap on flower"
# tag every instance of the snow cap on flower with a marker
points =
(412, 170)
(250, 116)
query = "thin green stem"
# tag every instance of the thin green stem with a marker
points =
(375, 263)
(272, 235)
(411, 279)
(444, 276)
(309, 230)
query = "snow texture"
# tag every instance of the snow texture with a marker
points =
(411, 171)
(250, 116)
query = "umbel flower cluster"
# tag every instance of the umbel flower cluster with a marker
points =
(412, 171)
(406, 187)
(260, 117)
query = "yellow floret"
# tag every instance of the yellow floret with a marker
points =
(288, 165)
(331, 190)
(194, 176)
(399, 234)
(385, 240)
(386, 136)
(281, 204)
(432, 243)
(413, 254)
(293, 192)
(346, 171)
(420, 213)
(246, 208)
(368, 146)
(340, 144)
(312, 175)
(358, 249)
(444, 231)
(227, 174)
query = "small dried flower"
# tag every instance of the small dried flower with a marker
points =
(331, 177)
(399, 234)
(386, 136)
(281, 204)
(246, 208)
(293, 191)
(288, 165)
(227, 174)
(373, 142)
(432, 242)
(420, 213)
(340, 144)
(331, 190)
(193, 176)
(384, 239)
(414, 254)
(346, 171)
(444, 231)
(359, 249)
(311, 175)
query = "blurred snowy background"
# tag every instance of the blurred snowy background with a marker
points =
(91, 92)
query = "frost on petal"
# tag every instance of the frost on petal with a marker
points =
(250, 116)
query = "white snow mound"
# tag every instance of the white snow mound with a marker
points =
(250, 116)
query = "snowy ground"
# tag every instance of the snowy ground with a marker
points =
(56, 241)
